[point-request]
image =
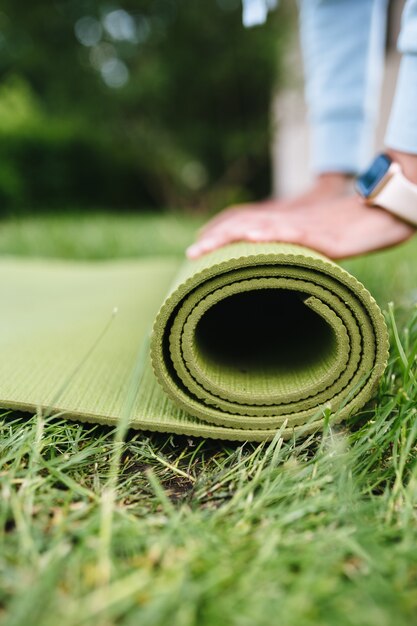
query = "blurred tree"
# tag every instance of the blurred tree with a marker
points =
(145, 102)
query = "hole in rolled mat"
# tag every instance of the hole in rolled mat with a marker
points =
(265, 330)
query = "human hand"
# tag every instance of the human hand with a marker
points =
(339, 228)
(325, 187)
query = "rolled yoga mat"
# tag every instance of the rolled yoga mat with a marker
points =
(251, 339)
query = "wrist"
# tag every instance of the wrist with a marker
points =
(385, 185)
(334, 183)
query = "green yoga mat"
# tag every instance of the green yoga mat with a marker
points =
(242, 342)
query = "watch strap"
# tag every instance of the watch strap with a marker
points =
(398, 196)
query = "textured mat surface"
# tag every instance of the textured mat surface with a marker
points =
(251, 338)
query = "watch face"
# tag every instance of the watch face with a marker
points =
(369, 180)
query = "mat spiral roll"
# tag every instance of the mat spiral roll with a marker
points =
(266, 336)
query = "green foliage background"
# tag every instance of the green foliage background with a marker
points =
(189, 127)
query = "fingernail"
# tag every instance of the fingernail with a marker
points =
(192, 251)
(203, 246)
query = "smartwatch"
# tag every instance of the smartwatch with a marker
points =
(384, 185)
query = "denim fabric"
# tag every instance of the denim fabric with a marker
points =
(402, 127)
(343, 51)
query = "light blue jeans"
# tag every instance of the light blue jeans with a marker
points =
(343, 50)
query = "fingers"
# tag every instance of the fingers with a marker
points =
(282, 232)
(208, 244)
(251, 232)
(220, 218)
(241, 211)
(234, 221)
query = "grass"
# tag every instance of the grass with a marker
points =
(98, 236)
(171, 531)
